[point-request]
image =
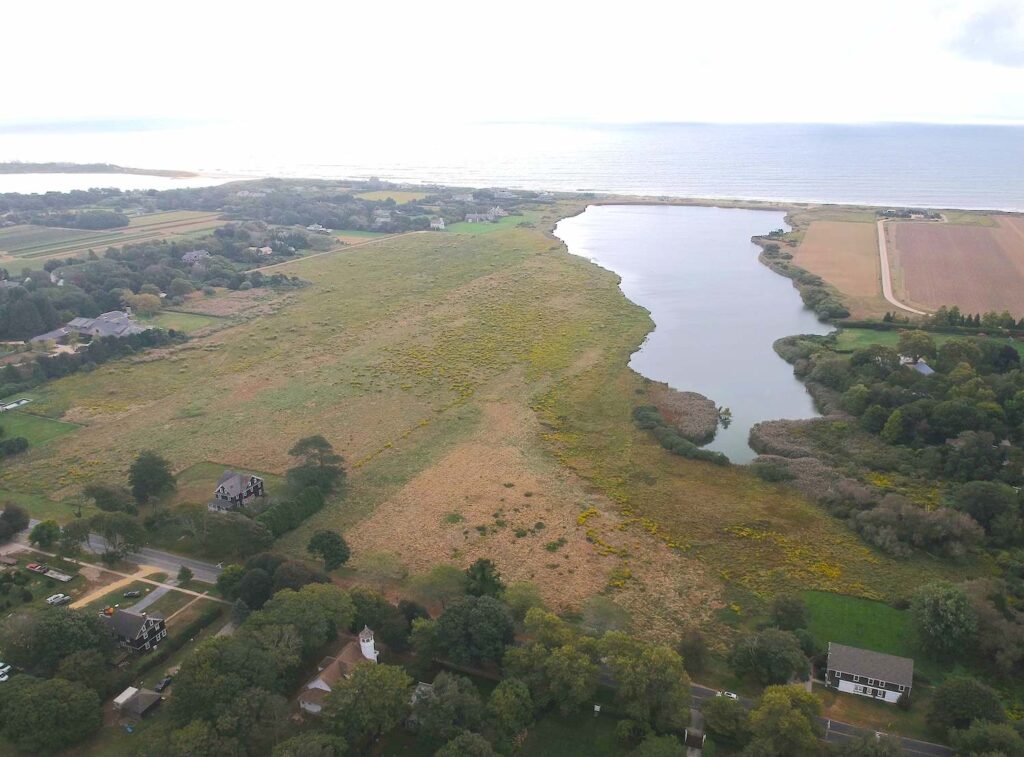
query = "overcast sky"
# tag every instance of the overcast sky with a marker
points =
(789, 60)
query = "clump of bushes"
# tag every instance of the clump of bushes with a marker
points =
(284, 516)
(648, 417)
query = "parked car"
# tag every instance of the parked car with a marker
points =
(4, 668)
(727, 695)
(58, 599)
(164, 683)
(37, 567)
(3, 677)
(132, 594)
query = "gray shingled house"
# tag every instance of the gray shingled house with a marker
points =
(233, 489)
(116, 323)
(870, 674)
(137, 631)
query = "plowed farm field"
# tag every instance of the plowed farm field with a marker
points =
(845, 254)
(978, 268)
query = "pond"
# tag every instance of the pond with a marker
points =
(717, 310)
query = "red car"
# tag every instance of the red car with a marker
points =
(36, 567)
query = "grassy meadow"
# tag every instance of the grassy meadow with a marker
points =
(478, 388)
(856, 339)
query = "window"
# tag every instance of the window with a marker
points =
(871, 682)
(903, 688)
(856, 678)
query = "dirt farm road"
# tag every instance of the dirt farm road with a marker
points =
(883, 256)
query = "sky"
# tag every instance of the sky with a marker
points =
(947, 61)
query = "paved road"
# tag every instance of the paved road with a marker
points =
(165, 561)
(837, 732)
(883, 257)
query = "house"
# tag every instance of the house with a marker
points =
(234, 488)
(137, 702)
(870, 674)
(318, 229)
(437, 224)
(195, 256)
(918, 365)
(137, 631)
(265, 251)
(466, 197)
(116, 323)
(333, 669)
(479, 218)
(497, 212)
(421, 692)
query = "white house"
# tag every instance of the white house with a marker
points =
(437, 224)
(869, 674)
(333, 669)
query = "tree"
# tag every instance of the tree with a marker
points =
(452, 706)
(474, 630)
(693, 649)
(42, 716)
(571, 678)
(785, 724)
(294, 575)
(319, 466)
(311, 744)
(521, 597)
(71, 538)
(769, 657)
(144, 304)
(44, 534)
(374, 699)
(317, 611)
(255, 588)
(12, 520)
(121, 532)
(788, 612)
(111, 498)
(726, 719)
(916, 344)
(869, 745)
(651, 683)
(37, 643)
(87, 667)
(229, 580)
(199, 737)
(185, 574)
(944, 618)
(441, 584)
(958, 702)
(180, 287)
(983, 738)
(330, 547)
(510, 707)
(996, 507)
(659, 746)
(483, 579)
(466, 744)
(150, 476)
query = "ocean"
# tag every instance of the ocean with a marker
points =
(884, 164)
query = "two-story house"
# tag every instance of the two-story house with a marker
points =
(870, 674)
(137, 631)
(234, 489)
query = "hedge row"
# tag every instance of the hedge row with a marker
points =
(284, 516)
(648, 417)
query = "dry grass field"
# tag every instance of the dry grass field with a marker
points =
(845, 254)
(479, 390)
(397, 195)
(977, 267)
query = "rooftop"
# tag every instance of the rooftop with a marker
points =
(864, 662)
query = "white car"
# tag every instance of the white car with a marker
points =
(58, 599)
(727, 695)
(3, 677)
(4, 668)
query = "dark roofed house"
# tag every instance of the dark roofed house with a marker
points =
(234, 488)
(870, 674)
(137, 631)
(195, 256)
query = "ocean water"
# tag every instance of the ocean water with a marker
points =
(716, 309)
(885, 164)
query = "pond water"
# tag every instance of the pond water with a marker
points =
(717, 310)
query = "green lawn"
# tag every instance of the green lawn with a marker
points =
(357, 233)
(860, 623)
(855, 339)
(26, 237)
(179, 321)
(35, 428)
(582, 735)
(489, 228)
